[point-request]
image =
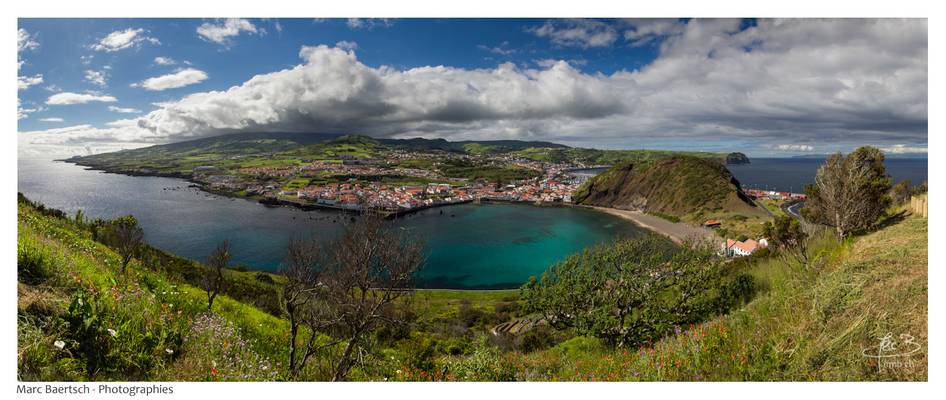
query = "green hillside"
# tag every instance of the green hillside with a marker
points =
(807, 325)
(689, 188)
(79, 318)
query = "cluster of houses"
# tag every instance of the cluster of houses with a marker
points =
(759, 194)
(355, 195)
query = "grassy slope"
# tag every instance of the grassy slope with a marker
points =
(156, 310)
(145, 308)
(806, 327)
(689, 188)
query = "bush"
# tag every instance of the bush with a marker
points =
(486, 364)
(633, 291)
(579, 345)
(264, 278)
(32, 268)
(539, 337)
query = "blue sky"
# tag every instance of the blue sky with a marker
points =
(89, 85)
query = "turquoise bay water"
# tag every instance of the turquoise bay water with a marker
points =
(468, 246)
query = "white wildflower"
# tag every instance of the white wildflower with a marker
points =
(59, 344)
(112, 332)
(169, 351)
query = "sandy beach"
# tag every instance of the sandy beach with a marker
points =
(676, 231)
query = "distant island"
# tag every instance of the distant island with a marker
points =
(736, 158)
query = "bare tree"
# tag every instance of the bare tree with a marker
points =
(303, 302)
(214, 281)
(125, 236)
(347, 292)
(372, 266)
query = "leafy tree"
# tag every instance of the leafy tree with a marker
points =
(788, 235)
(901, 192)
(850, 193)
(213, 280)
(125, 236)
(633, 291)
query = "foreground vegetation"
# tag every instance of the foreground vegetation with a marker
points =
(80, 318)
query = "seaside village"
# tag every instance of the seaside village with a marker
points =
(555, 184)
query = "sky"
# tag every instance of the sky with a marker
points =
(765, 87)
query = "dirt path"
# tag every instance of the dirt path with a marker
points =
(676, 231)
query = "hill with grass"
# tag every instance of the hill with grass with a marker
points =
(80, 318)
(277, 150)
(820, 323)
(684, 187)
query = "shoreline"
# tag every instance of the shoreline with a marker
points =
(678, 232)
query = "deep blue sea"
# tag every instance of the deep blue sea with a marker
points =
(792, 174)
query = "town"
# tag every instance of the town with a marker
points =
(390, 186)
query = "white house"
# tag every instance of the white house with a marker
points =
(735, 248)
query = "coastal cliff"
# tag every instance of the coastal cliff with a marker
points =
(679, 186)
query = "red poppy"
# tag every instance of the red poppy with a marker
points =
(214, 372)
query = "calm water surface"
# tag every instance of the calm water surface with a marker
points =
(468, 246)
(792, 174)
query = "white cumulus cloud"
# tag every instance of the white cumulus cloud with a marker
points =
(98, 78)
(68, 98)
(184, 77)
(794, 147)
(904, 149)
(347, 45)
(24, 82)
(123, 39)
(25, 40)
(583, 33)
(124, 110)
(222, 31)
(369, 23)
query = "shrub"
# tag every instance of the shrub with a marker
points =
(579, 345)
(32, 267)
(633, 291)
(538, 338)
(264, 278)
(486, 364)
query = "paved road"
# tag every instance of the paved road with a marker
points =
(794, 208)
